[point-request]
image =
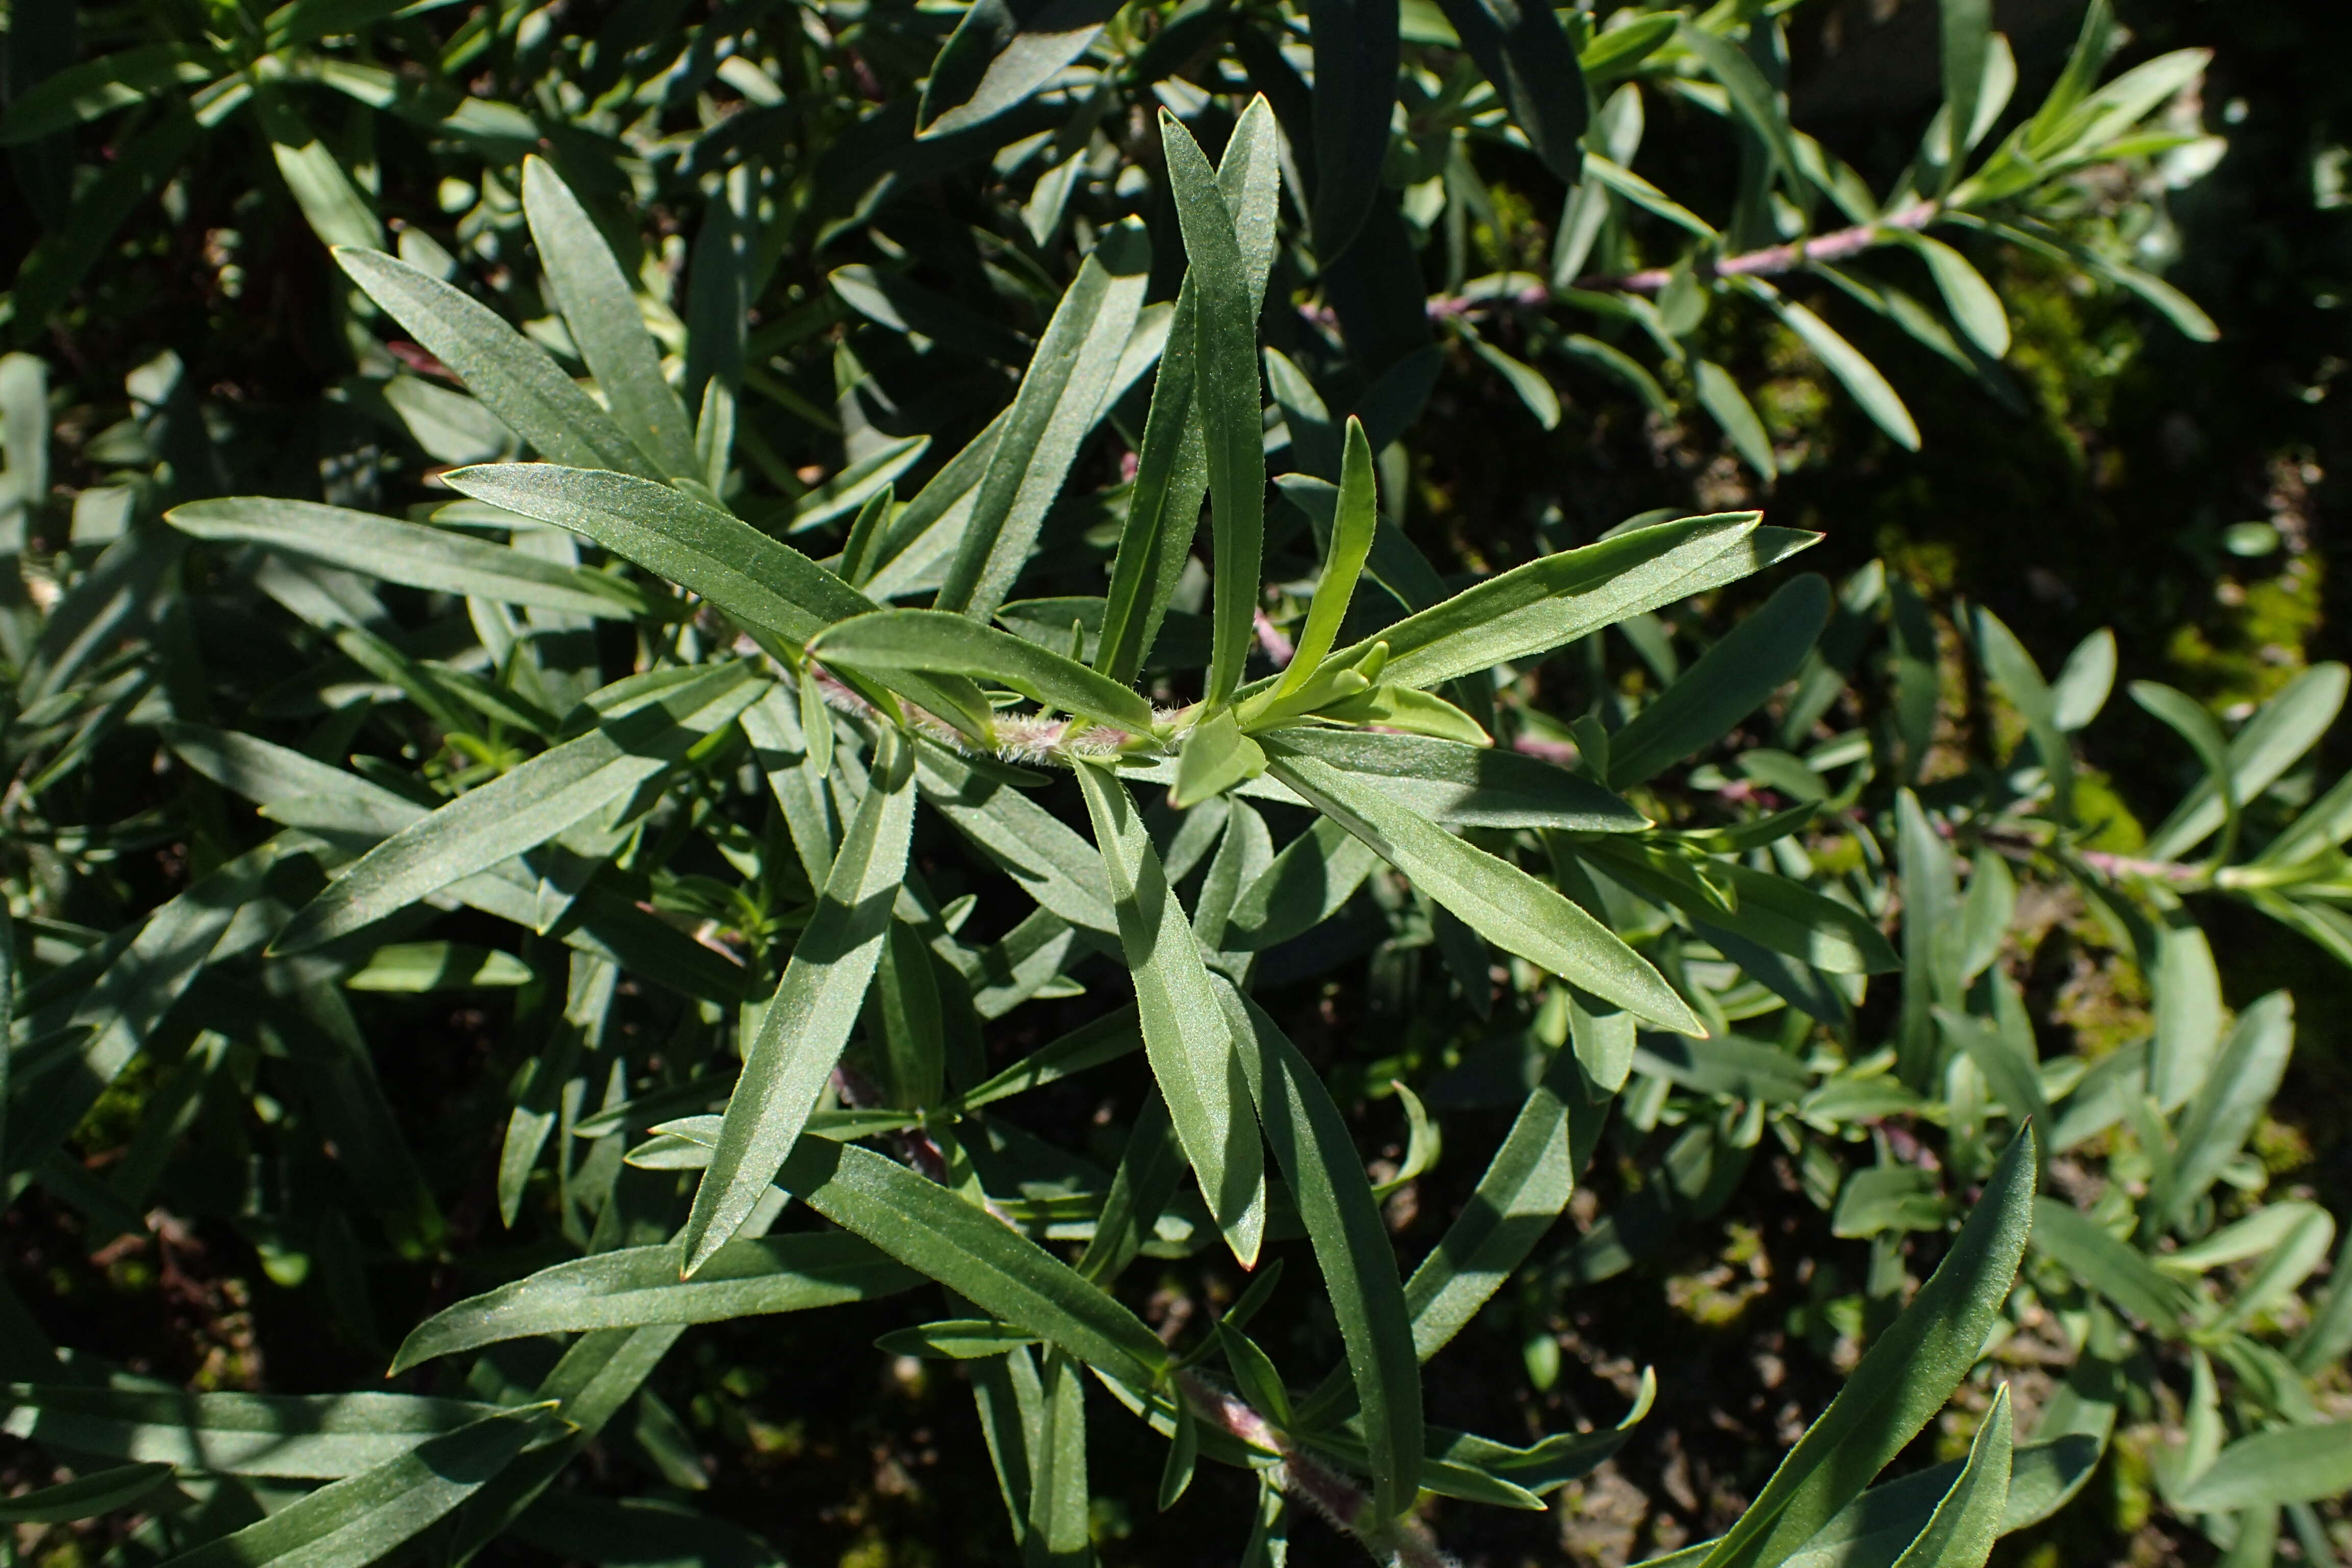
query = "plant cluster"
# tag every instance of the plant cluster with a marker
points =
(838, 715)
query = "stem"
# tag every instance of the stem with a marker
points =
(1773, 260)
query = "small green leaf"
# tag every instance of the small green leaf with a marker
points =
(1524, 51)
(1059, 399)
(2273, 741)
(1967, 1521)
(955, 1338)
(1186, 1034)
(313, 1436)
(999, 57)
(361, 1519)
(1317, 1158)
(1303, 886)
(1462, 785)
(639, 1287)
(927, 1227)
(941, 643)
(1734, 679)
(2293, 1464)
(1214, 757)
(817, 1004)
(1903, 1380)
(435, 559)
(1183, 1451)
(1492, 896)
(519, 380)
(1859, 376)
(1353, 529)
(2013, 669)
(85, 1497)
(522, 809)
(1970, 299)
(1720, 395)
(1229, 396)
(601, 310)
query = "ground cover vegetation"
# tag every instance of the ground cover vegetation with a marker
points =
(900, 783)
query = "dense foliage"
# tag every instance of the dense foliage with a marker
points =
(981, 675)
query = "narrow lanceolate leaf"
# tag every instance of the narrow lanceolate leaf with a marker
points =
(1317, 1158)
(1492, 896)
(2296, 1464)
(409, 553)
(85, 1497)
(1463, 785)
(1523, 51)
(999, 54)
(1773, 911)
(519, 380)
(1901, 1382)
(1356, 53)
(1860, 377)
(1060, 396)
(1534, 608)
(1353, 525)
(2013, 669)
(760, 582)
(360, 1519)
(815, 1007)
(941, 643)
(318, 1436)
(1226, 385)
(971, 1252)
(601, 310)
(639, 1286)
(1974, 306)
(1969, 1518)
(524, 808)
(1216, 755)
(2284, 729)
(1186, 1034)
(1730, 682)
(83, 92)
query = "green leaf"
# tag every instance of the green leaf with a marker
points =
(1492, 896)
(1317, 1155)
(1902, 1381)
(83, 92)
(1962, 1530)
(1405, 710)
(1534, 608)
(1215, 756)
(1000, 55)
(2113, 1268)
(941, 643)
(601, 310)
(1353, 525)
(1525, 380)
(524, 808)
(2085, 682)
(1059, 400)
(1720, 395)
(639, 1287)
(361, 1519)
(519, 380)
(1229, 396)
(334, 208)
(1356, 56)
(1193, 1053)
(2189, 1006)
(2292, 1464)
(760, 582)
(1303, 886)
(1965, 35)
(1460, 785)
(2229, 1105)
(2012, 668)
(1772, 910)
(85, 1497)
(1970, 299)
(2273, 741)
(971, 1252)
(954, 1338)
(300, 1437)
(410, 967)
(1049, 862)
(437, 559)
(1734, 679)
(1183, 1451)
(1172, 466)
(806, 1024)
(1524, 51)
(1859, 376)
